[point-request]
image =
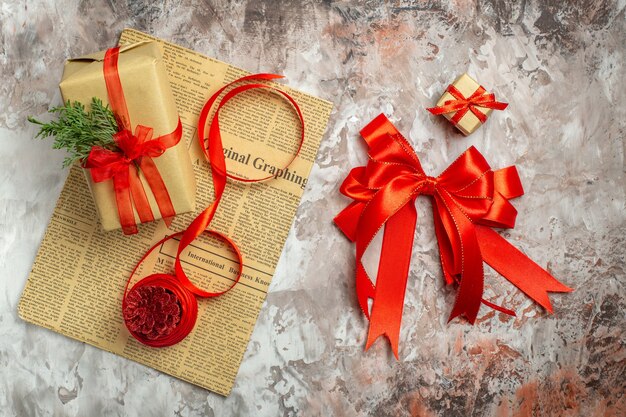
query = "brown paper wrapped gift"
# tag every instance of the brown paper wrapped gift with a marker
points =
(478, 104)
(150, 103)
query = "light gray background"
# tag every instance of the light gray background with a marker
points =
(559, 64)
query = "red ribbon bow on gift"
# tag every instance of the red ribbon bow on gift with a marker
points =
(135, 151)
(461, 105)
(468, 199)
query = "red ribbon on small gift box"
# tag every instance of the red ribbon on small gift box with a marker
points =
(461, 104)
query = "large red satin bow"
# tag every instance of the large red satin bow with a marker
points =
(468, 199)
(136, 151)
(461, 104)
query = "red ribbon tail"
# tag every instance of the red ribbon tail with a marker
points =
(520, 270)
(172, 138)
(499, 308)
(138, 193)
(393, 270)
(470, 292)
(437, 110)
(124, 203)
(445, 248)
(364, 288)
(162, 197)
(495, 105)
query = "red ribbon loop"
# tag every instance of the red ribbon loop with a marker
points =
(136, 151)
(461, 104)
(468, 198)
(212, 147)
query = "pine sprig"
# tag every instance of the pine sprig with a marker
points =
(77, 130)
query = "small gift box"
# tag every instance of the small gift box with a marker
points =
(466, 104)
(148, 175)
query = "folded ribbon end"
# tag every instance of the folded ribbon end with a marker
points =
(130, 230)
(459, 310)
(544, 299)
(347, 220)
(435, 110)
(168, 221)
(452, 317)
(557, 286)
(373, 336)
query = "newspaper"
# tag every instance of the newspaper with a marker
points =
(76, 284)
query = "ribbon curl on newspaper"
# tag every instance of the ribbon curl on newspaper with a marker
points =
(179, 284)
(461, 104)
(468, 200)
(136, 151)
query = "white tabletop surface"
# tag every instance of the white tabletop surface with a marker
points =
(560, 65)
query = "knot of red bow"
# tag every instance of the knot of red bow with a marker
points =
(461, 104)
(121, 166)
(106, 164)
(468, 199)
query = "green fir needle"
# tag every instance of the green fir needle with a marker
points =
(77, 130)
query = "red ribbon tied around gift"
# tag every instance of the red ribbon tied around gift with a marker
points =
(135, 152)
(469, 198)
(461, 104)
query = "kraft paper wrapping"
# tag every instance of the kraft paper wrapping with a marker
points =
(150, 103)
(468, 123)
